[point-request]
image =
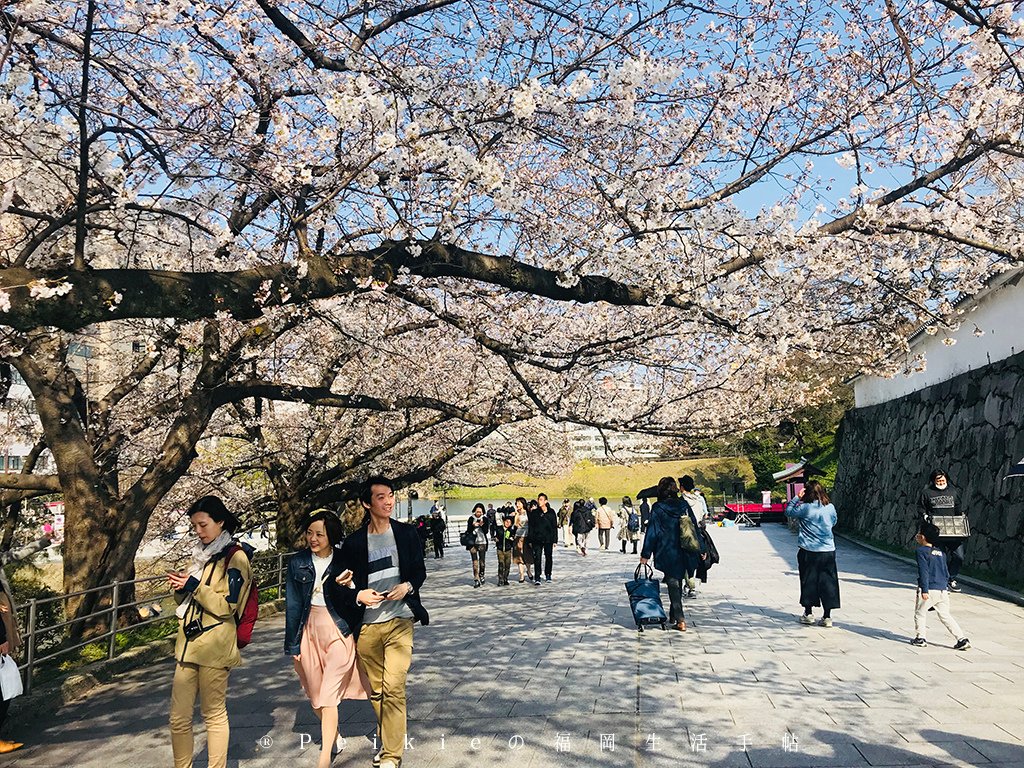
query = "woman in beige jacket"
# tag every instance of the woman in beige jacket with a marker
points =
(210, 595)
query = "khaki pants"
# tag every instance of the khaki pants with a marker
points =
(939, 600)
(211, 684)
(504, 565)
(385, 653)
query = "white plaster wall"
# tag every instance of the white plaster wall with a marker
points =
(999, 313)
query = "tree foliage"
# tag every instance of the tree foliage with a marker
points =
(652, 217)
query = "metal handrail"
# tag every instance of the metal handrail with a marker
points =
(81, 592)
(33, 632)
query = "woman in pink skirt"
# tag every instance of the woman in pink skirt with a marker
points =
(316, 636)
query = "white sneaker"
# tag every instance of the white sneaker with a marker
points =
(388, 764)
(825, 623)
(807, 619)
(340, 743)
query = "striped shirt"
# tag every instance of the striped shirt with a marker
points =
(383, 575)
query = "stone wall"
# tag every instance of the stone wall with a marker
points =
(972, 426)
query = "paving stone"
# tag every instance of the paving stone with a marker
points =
(496, 663)
(946, 753)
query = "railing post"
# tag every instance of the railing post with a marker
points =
(113, 618)
(280, 573)
(31, 652)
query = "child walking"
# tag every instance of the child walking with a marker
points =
(505, 544)
(933, 584)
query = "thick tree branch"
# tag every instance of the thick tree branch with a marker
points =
(23, 482)
(364, 459)
(288, 28)
(83, 139)
(196, 295)
(322, 396)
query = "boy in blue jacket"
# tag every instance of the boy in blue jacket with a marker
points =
(933, 583)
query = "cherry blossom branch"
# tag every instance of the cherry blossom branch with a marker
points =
(322, 396)
(349, 489)
(850, 220)
(944, 234)
(83, 139)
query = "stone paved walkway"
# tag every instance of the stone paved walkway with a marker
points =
(547, 676)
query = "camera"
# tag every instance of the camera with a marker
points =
(193, 629)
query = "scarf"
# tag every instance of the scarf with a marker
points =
(201, 555)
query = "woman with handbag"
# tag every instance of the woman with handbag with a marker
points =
(10, 636)
(475, 540)
(210, 595)
(316, 635)
(673, 538)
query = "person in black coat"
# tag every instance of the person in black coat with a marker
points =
(645, 514)
(504, 545)
(542, 536)
(582, 523)
(477, 534)
(437, 529)
(383, 607)
(939, 497)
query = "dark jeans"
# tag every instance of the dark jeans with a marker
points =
(675, 600)
(438, 545)
(479, 555)
(545, 550)
(954, 549)
(504, 564)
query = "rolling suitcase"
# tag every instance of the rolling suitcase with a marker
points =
(645, 598)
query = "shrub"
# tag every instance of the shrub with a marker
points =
(25, 585)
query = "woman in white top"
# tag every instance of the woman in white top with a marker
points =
(316, 636)
(522, 555)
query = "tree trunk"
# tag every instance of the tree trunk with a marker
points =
(99, 549)
(291, 513)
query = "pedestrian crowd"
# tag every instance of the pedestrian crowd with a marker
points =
(526, 532)
(352, 602)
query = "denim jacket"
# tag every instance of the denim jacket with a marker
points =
(299, 594)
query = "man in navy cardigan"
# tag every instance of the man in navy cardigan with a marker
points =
(386, 559)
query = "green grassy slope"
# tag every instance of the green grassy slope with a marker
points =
(613, 480)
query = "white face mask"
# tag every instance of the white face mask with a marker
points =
(941, 483)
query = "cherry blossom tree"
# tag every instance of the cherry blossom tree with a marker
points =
(639, 215)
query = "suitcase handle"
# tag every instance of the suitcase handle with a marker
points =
(648, 571)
